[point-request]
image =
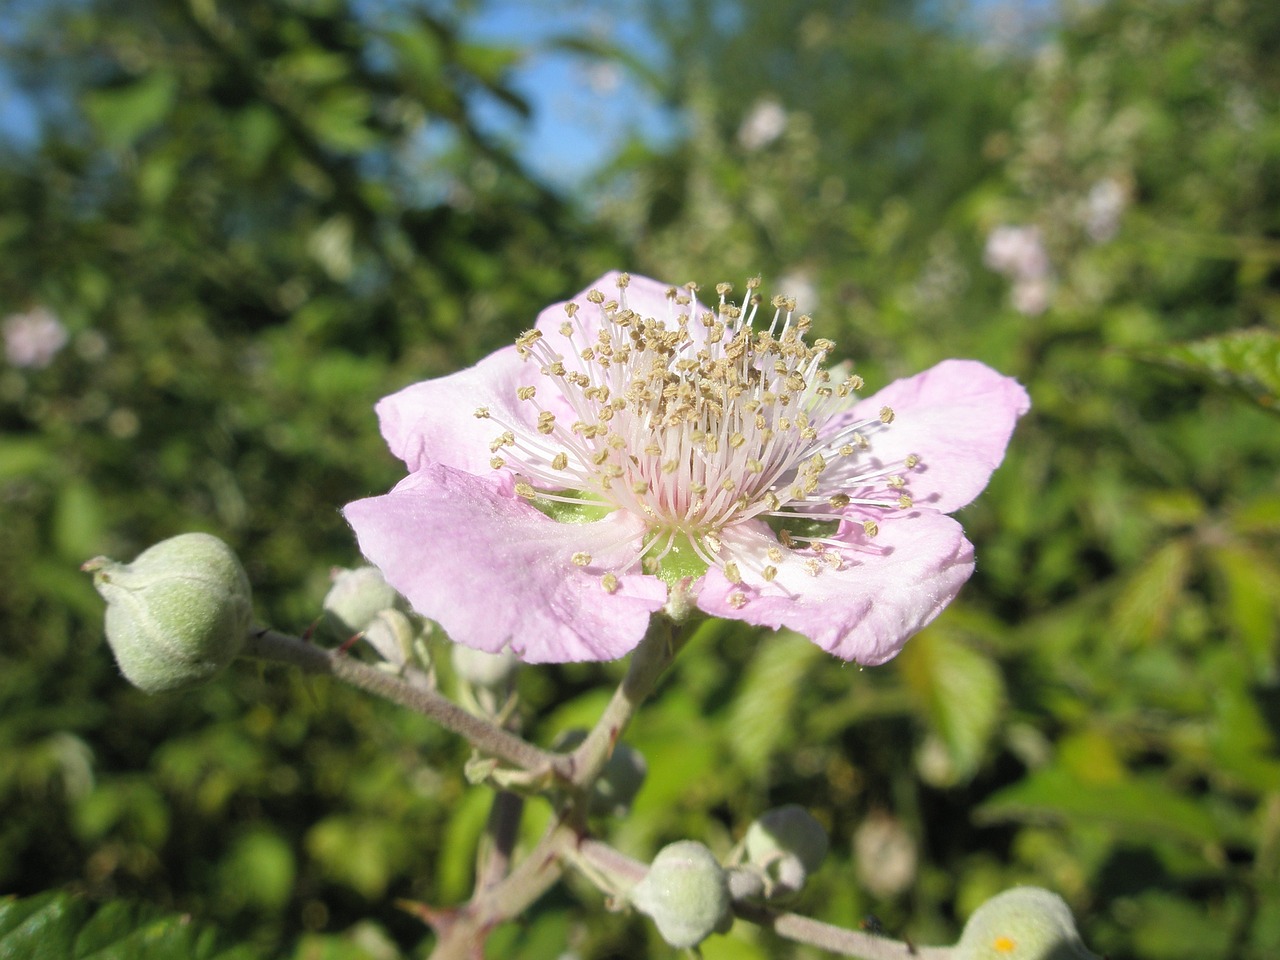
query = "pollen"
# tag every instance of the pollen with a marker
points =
(581, 559)
(1004, 945)
(702, 421)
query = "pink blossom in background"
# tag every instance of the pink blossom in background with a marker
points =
(32, 339)
(636, 448)
(1018, 252)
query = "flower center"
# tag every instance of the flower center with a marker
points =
(694, 423)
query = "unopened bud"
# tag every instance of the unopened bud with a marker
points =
(783, 839)
(481, 669)
(685, 893)
(621, 779)
(1025, 923)
(176, 616)
(392, 635)
(354, 599)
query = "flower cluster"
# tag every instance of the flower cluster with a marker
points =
(636, 450)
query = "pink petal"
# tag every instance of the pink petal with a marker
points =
(888, 589)
(646, 297)
(434, 421)
(494, 572)
(957, 417)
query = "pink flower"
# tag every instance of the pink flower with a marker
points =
(634, 442)
(33, 339)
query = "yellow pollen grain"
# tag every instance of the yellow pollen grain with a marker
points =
(774, 554)
(912, 461)
(886, 414)
(497, 463)
(769, 573)
(581, 559)
(905, 502)
(896, 483)
(610, 583)
(839, 500)
(737, 600)
(525, 490)
(870, 528)
(560, 461)
(1004, 945)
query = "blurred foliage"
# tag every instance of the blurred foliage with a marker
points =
(255, 220)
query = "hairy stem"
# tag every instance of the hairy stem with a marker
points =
(654, 654)
(486, 737)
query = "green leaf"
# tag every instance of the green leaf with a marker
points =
(1142, 610)
(123, 114)
(59, 926)
(961, 693)
(1246, 362)
(759, 720)
(1138, 806)
(1252, 584)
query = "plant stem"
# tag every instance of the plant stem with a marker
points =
(486, 737)
(462, 935)
(499, 841)
(654, 654)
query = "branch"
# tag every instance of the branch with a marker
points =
(486, 737)
(625, 872)
(654, 654)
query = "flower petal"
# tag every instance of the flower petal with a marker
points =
(957, 417)
(644, 296)
(887, 590)
(494, 572)
(434, 421)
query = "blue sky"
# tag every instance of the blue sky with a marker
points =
(583, 110)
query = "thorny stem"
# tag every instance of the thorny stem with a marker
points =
(499, 841)
(486, 737)
(461, 935)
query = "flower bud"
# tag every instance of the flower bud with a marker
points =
(1025, 923)
(621, 779)
(391, 634)
(685, 893)
(354, 599)
(177, 615)
(481, 669)
(787, 830)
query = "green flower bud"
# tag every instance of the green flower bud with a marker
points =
(481, 669)
(1025, 923)
(391, 634)
(621, 779)
(685, 893)
(790, 829)
(178, 614)
(354, 599)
